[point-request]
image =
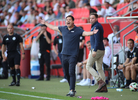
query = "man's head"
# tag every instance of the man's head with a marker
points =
(116, 28)
(43, 27)
(106, 4)
(10, 29)
(88, 6)
(98, 6)
(135, 25)
(70, 21)
(93, 18)
(130, 43)
(105, 41)
(88, 44)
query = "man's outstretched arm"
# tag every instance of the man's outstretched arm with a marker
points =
(55, 28)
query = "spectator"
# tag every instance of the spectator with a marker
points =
(86, 81)
(130, 66)
(70, 3)
(17, 7)
(101, 11)
(91, 10)
(136, 30)
(81, 53)
(62, 3)
(7, 18)
(23, 5)
(54, 4)
(1, 18)
(31, 16)
(23, 19)
(59, 14)
(94, 2)
(50, 15)
(62, 16)
(68, 12)
(30, 6)
(47, 5)
(109, 10)
(116, 39)
(41, 14)
(10, 8)
(135, 6)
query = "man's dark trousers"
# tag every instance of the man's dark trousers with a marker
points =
(69, 63)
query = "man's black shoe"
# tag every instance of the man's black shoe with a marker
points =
(12, 83)
(17, 83)
(47, 79)
(125, 86)
(71, 93)
(40, 79)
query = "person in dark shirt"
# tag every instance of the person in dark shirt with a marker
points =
(81, 53)
(71, 37)
(59, 41)
(96, 54)
(130, 66)
(12, 41)
(45, 48)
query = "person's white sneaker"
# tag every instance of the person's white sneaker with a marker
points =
(86, 83)
(82, 81)
(63, 80)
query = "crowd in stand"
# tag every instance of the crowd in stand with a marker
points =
(21, 12)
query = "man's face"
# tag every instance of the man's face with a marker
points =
(10, 29)
(43, 28)
(69, 22)
(105, 42)
(93, 19)
(99, 7)
(106, 5)
(130, 44)
(88, 46)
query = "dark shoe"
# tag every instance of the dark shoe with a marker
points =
(17, 83)
(12, 83)
(47, 79)
(101, 85)
(125, 86)
(71, 93)
(104, 89)
(40, 79)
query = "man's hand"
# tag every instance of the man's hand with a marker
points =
(93, 54)
(79, 64)
(23, 56)
(4, 58)
(120, 67)
(95, 30)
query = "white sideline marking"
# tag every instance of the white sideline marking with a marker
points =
(29, 95)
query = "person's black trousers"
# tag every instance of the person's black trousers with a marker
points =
(69, 63)
(45, 58)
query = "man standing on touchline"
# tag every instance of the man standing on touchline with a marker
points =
(71, 37)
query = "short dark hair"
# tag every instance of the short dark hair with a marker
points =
(70, 16)
(87, 42)
(136, 23)
(106, 39)
(95, 14)
(131, 40)
(88, 4)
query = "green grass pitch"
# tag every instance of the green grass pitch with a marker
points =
(53, 89)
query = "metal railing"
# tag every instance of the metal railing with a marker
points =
(122, 49)
(122, 9)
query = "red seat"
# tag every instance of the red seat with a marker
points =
(41, 5)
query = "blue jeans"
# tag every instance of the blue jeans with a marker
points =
(69, 63)
(60, 57)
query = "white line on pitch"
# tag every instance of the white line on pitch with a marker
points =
(29, 95)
